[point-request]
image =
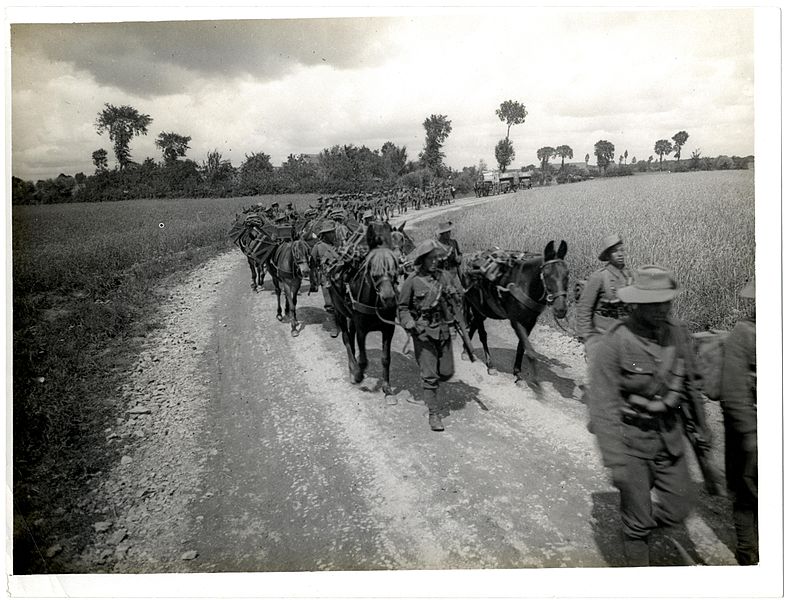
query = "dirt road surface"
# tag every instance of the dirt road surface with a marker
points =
(246, 449)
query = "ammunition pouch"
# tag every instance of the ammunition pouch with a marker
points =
(646, 421)
(613, 310)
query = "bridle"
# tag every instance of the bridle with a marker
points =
(550, 298)
(523, 298)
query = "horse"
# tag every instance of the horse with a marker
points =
(288, 265)
(519, 295)
(365, 299)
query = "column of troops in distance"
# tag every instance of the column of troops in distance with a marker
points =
(644, 384)
(383, 205)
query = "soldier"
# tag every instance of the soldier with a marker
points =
(323, 254)
(452, 259)
(342, 232)
(639, 378)
(599, 307)
(421, 309)
(367, 217)
(740, 414)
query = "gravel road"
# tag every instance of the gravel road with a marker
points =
(248, 450)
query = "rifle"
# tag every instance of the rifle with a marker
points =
(453, 314)
(694, 419)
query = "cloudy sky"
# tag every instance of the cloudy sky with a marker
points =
(300, 85)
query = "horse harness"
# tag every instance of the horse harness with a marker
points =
(524, 299)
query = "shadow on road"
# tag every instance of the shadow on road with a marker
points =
(504, 359)
(405, 374)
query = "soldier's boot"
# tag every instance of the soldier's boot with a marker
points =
(636, 552)
(434, 418)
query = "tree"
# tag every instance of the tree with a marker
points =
(604, 150)
(437, 128)
(122, 123)
(172, 145)
(564, 152)
(625, 157)
(512, 113)
(695, 158)
(634, 160)
(586, 159)
(662, 147)
(482, 166)
(100, 160)
(544, 154)
(255, 173)
(394, 159)
(505, 154)
(679, 140)
(216, 169)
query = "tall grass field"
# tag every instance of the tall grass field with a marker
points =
(700, 225)
(84, 283)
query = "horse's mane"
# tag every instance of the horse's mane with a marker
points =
(381, 261)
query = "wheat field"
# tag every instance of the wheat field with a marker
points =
(700, 225)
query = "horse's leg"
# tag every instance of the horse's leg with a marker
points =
(251, 264)
(362, 361)
(277, 290)
(294, 288)
(524, 348)
(387, 336)
(484, 340)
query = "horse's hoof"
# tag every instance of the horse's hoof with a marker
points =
(335, 333)
(295, 332)
(492, 371)
(279, 317)
(388, 391)
(464, 356)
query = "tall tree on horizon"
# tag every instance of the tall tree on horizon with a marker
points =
(678, 141)
(544, 154)
(512, 113)
(662, 147)
(100, 160)
(604, 150)
(172, 145)
(122, 123)
(437, 128)
(565, 152)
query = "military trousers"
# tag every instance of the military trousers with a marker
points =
(669, 477)
(328, 301)
(742, 475)
(434, 357)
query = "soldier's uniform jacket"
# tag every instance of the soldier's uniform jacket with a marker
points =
(321, 254)
(627, 364)
(453, 254)
(739, 401)
(342, 233)
(418, 302)
(598, 307)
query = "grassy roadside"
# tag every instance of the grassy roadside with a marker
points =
(85, 289)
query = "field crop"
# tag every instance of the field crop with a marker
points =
(699, 225)
(84, 277)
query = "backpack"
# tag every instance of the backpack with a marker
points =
(710, 353)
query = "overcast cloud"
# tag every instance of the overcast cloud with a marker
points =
(298, 86)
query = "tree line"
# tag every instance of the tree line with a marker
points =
(340, 168)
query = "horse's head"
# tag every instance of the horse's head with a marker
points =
(301, 256)
(378, 235)
(383, 271)
(555, 277)
(401, 242)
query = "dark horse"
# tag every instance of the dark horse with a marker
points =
(288, 265)
(519, 295)
(365, 299)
